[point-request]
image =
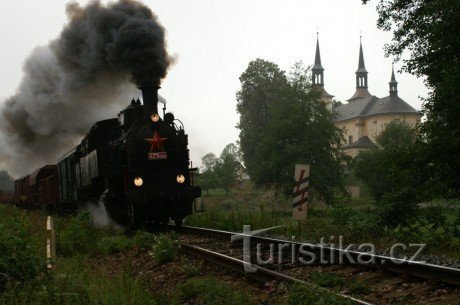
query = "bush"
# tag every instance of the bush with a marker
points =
(341, 214)
(19, 256)
(77, 235)
(143, 239)
(165, 248)
(113, 244)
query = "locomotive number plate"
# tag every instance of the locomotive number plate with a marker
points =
(158, 155)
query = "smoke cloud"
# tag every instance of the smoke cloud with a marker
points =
(87, 74)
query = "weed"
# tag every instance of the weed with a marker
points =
(113, 244)
(328, 280)
(210, 291)
(358, 287)
(165, 248)
(76, 235)
(19, 254)
(300, 294)
(191, 269)
(143, 239)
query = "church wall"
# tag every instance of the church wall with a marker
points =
(373, 126)
(376, 124)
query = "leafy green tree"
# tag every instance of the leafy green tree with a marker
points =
(428, 30)
(393, 172)
(263, 88)
(295, 127)
(227, 166)
(6, 181)
(208, 177)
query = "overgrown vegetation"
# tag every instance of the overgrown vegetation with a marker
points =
(210, 291)
(303, 295)
(165, 248)
(357, 220)
(77, 279)
(20, 259)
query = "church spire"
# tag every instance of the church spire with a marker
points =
(317, 70)
(361, 73)
(361, 77)
(393, 83)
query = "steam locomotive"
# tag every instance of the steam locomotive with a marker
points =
(137, 164)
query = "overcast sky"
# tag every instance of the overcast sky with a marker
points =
(214, 40)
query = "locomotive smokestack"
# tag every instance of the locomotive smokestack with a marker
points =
(150, 97)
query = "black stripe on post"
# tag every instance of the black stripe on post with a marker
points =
(300, 202)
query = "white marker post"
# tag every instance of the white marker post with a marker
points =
(50, 243)
(301, 189)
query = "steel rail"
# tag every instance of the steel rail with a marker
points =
(418, 269)
(260, 273)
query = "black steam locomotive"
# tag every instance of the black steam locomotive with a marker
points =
(138, 164)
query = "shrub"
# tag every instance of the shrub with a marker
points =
(77, 235)
(113, 244)
(165, 248)
(341, 214)
(143, 239)
(19, 256)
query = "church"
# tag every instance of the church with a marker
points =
(364, 116)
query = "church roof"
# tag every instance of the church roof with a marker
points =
(360, 93)
(372, 105)
(391, 104)
(363, 142)
(317, 65)
(361, 67)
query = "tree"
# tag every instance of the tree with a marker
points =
(393, 172)
(296, 128)
(428, 31)
(227, 166)
(6, 181)
(263, 87)
(208, 177)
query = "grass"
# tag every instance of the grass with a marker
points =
(303, 295)
(328, 280)
(78, 284)
(355, 219)
(211, 291)
(165, 248)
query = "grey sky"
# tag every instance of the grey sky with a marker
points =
(214, 41)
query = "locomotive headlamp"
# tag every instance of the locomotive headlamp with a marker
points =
(138, 181)
(180, 179)
(155, 117)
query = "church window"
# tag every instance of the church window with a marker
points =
(350, 139)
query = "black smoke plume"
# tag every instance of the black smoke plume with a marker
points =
(87, 74)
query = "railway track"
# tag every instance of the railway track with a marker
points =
(386, 280)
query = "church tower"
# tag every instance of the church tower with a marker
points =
(317, 75)
(317, 72)
(361, 77)
(393, 83)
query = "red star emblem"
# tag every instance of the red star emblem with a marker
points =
(156, 142)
